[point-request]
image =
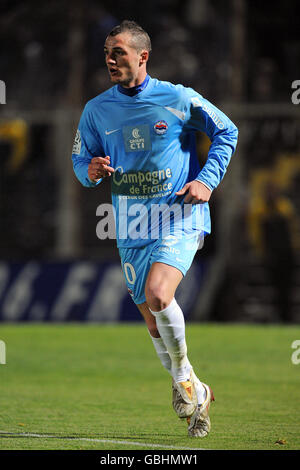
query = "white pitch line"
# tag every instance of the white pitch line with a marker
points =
(91, 439)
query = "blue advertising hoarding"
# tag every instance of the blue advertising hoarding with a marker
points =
(81, 290)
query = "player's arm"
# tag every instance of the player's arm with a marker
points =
(222, 132)
(89, 167)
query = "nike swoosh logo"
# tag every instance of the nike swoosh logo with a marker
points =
(110, 132)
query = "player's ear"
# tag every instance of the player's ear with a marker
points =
(144, 57)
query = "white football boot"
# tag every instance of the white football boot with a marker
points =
(184, 398)
(199, 423)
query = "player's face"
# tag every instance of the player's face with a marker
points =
(123, 60)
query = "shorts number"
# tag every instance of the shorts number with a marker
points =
(129, 273)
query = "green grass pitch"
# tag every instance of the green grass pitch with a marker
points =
(103, 387)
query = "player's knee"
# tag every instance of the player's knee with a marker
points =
(157, 297)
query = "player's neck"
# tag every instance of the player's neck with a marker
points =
(137, 81)
(134, 90)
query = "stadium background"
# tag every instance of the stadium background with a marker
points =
(241, 55)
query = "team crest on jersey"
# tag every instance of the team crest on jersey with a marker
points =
(160, 127)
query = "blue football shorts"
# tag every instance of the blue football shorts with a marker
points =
(178, 252)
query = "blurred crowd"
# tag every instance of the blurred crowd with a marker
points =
(194, 42)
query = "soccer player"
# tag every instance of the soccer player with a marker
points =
(141, 134)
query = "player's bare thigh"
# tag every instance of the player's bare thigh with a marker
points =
(161, 284)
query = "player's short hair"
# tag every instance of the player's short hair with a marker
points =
(141, 39)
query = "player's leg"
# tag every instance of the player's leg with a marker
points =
(136, 264)
(179, 404)
(149, 319)
(160, 288)
(157, 341)
(162, 282)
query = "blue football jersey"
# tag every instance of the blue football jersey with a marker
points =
(150, 138)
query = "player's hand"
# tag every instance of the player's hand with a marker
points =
(99, 167)
(196, 193)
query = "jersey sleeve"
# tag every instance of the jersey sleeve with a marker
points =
(222, 132)
(87, 144)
